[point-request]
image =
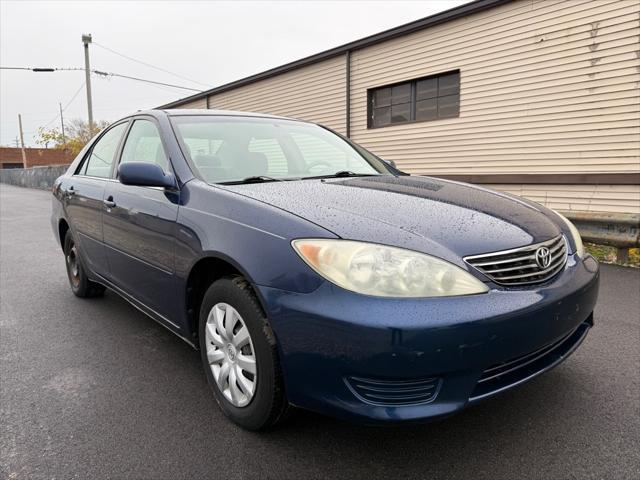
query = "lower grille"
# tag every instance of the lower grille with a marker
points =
(517, 370)
(522, 266)
(394, 392)
(504, 368)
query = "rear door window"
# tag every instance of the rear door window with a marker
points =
(100, 160)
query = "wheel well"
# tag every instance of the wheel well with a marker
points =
(63, 227)
(202, 275)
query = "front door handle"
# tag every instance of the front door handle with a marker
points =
(109, 203)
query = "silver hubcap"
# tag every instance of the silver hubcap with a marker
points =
(72, 264)
(231, 355)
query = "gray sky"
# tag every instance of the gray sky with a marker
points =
(209, 42)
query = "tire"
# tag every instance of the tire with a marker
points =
(256, 408)
(80, 284)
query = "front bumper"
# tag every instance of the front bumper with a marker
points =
(334, 343)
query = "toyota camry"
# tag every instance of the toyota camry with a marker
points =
(311, 273)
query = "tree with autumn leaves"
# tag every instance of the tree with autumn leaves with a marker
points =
(77, 134)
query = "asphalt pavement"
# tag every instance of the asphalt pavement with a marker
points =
(94, 389)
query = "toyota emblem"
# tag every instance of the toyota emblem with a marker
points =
(543, 257)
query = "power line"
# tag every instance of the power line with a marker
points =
(46, 69)
(150, 65)
(50, 122)
(103, 74)
(98, 73)
(73, 97)
(110, 74)
(66, 106)
(39, 69)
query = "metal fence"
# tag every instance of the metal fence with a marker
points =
(36, 177)
(615, 229)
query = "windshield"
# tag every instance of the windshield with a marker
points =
(233, 149)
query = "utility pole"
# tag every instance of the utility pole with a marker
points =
(24, 154)
(64, 141)
(86, 40)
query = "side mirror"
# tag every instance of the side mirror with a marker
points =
(390, 162)
(145, 174)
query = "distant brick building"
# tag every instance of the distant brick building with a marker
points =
(11, 157)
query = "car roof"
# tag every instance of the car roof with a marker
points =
(210, 112)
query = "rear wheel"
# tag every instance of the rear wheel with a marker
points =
(80, 284)
(239, 355)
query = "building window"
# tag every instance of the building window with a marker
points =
(428, 98)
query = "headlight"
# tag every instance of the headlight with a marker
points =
(575, 234)
(383, 271)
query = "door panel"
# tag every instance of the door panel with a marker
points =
(139, 239)
(84, 195)
(83, 198)
(139, 227)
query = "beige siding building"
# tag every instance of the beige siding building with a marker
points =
(535, 97)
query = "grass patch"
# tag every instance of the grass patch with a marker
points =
(606, 254)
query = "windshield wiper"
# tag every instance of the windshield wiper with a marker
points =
(265, 179)
(253, 179)
(343, 173)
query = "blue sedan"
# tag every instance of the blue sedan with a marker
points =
(311, 273)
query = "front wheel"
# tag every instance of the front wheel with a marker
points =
(80, 284)
(239, 355)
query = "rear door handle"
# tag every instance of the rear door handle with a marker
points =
(109, 203)
(70, 191)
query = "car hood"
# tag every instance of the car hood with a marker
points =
(439, 217)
